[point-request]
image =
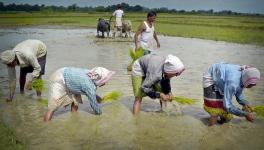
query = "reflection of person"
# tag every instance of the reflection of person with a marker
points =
(151, 76)
(221, 83)
(67, 85)
(147, 32)
(119, 13)
(30, 55)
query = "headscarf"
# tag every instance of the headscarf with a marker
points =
(8, 56)
(173, 64)
(100, 75)
(250, 76)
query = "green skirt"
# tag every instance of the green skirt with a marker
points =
(137, 82)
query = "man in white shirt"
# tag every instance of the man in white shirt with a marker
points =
(119, 13)
(30, 55)
(147, 33)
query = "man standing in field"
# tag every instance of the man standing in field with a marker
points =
(30, 55)
(119, 13)
(147, 32)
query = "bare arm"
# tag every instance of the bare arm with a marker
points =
(141, 29)
(156, 39)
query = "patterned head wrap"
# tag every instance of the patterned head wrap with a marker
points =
(100, 75)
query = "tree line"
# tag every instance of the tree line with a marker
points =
(111, 8)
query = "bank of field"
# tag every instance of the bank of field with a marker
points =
(238, 29)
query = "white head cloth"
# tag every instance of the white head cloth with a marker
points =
(173, 64)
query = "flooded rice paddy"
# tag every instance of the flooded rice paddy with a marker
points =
(116, 128)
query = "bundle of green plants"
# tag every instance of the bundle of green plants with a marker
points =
(38, 85)
(259, 110)
(134, 55)
(43, 101)
(183, 100)
(112, 96)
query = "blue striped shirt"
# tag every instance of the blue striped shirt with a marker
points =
(227, 78)
(78, 82)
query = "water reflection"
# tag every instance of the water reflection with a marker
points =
(117, 128)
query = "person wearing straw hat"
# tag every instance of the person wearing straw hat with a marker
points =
(221, 82)
(151, 76)
(30, 55)
(68, 84)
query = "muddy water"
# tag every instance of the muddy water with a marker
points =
(117, 128)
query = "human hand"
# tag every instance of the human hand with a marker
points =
(170, 97)
(158, 45)
(29, 85)
(136, 48)
(249, 117)
(164, 97)
(247, 108)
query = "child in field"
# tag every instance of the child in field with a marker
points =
(221, 83)
(68, 84)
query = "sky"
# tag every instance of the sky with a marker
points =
(244, 6)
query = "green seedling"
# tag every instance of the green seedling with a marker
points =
(38, 85)
(183, 100)
(259, 110)
(43, 101)
(134, 55)
(112, 96)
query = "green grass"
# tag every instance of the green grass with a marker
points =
(8, 139)
(238, 29)
(183, 100)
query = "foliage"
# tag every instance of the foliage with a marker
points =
(259, 110)
(38, 85)
(8, 139)
(183, 100)
(43, 101)
(237, 29)
(134, 55)
(125, 6)
(112, 96)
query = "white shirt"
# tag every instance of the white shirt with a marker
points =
(118, 13)
(146, 37)
(27, 53)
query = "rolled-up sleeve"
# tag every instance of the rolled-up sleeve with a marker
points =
(229, 92)
(36, 67)
(147, 87)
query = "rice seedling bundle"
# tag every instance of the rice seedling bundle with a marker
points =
(183, 100)
(38, 85)
(259, 110)
(134, 55)
(112, 96)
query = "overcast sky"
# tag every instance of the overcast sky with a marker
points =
(246, 6)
